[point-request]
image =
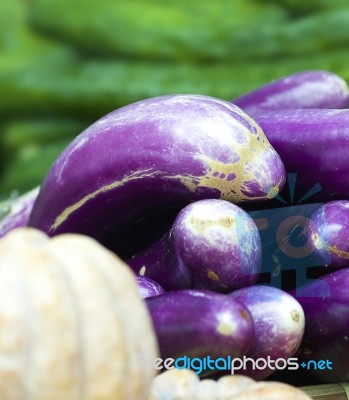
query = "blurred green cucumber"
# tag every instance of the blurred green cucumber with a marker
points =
(190, 30)
(24, 132)
(28, 168)
(211, 30)
(22, 48)
(88, 90)
(310, 6)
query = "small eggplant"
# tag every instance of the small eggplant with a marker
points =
(213, 244)
(306, 89)
(325, 346)
(199, 324)
(278, 324)
(148, 288)
(327, 230)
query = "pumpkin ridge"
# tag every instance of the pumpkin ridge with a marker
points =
(67, 287)
(27, 326)
(124, 313)
(90, 263)
(8, 274)
(120, 312)
(54, 314)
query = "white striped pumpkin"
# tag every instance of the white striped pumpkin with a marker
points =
(72, 323)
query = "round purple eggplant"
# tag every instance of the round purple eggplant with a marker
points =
(325, 346)
(213, 244)
(312, 143)
(148, 288)
(306, 89)
(327, 230)
(200, 324)
(168, 150)
(17, 211)
(278, 324)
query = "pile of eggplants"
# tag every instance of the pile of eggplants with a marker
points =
(212, 160)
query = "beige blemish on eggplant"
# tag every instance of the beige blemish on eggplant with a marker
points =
(225, 328)
(317, 242)
(235, 190)
(245, 315)
(212, 275)
(295, 316)
(201, 225)
(338, 252)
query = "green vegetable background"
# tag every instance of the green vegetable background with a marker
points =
(65, 63)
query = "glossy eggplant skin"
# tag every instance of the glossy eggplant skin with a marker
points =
(168, 150)
(327, 231)
(213, 244)
(278, 324)
(306, 89)
(148, 288)
(199, 323)
(313, 143)
(19, 211)
(325, 302)
(159, 262)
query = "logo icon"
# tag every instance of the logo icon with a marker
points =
(286, 252)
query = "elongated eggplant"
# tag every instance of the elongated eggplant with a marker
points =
(279, 327)
(162, 151)
(313, 143)
(327, 231)
(213, 244)
(325, 346)
(17, 211)
(148, 287)
(192, 324)
(306, 89)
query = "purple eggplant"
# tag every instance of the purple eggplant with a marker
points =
(278, 324)
(312, 143)
(325, 346)
(327, 231)
(168, 150)
(17, 211)
(200, 324)
(148, 288)
(306, 89)
(213, 244)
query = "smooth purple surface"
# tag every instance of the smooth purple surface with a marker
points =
(196, 323)
(19, 212)
(159, 262)
(278, 323)
(325, 302)
(307, 89)
(148, 288)
(314, 144)
(328, 233)
(168, 150)
(213, 244)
